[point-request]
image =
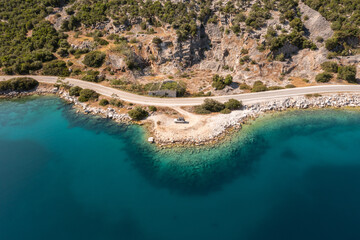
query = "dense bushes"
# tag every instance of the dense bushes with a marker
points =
(330, 67)
(93, 76)
(56, 68)
(18, 84)
(138, 114)
(130, 57)
(94, 59)
(323, 77)
(17, 47)
(233, 104)
(156, 41)
(220, 83)
(75, 91)
(88, 94)
(258, 16)
(211, 105)
(345, 19)
(347, 73)
(259, 86)
(103, 102)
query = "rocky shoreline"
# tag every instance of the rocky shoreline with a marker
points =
(224, 124)
(221, 125)
(85, 108)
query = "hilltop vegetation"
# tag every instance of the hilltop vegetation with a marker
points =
(345, 18)
(94, 40)
(18, 84)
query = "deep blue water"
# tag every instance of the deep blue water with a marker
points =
(294, 175)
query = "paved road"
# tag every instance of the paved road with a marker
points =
(175, 102)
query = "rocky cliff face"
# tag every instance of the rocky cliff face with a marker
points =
(216, 49)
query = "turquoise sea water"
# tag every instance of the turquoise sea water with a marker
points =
(294, 175)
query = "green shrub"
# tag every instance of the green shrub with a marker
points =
(225, 111)
(152, 108)
(157, 40)
(94, 59)
(103, 102)
(63, 52)
(75, 91)
(116, 102)
(330, 67)
(200, 110)
(244, 51)
(233, 104)
(280, 57)
(319, 39)
(259, 86)
(347, 73)
(56, 68)
(244, 86)
(323, 77)
(18, 84)
(93, 76)
(228, 80)
(143, 25)
(332, 44)
(88, 94)
(290, 86)
(297, 24)
(220, 83)
(138, 114)
(101, 41)
(274, 88)
(212, 105)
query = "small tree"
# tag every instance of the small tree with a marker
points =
(212, 105)
(18, 84)
(228, 79)
(259, 86)
(220, 83)
(56, 68)
(233, 104)
(152, 108)
(347, 73)
(138, 114)
(157, 40)
(330, 67)
(323, 77)
(332, 44)
(75, 91)
(103, 102)
(88, 94)
(94, 59)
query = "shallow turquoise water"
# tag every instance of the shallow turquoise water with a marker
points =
(295, 175)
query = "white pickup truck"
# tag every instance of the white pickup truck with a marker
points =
(180, 120)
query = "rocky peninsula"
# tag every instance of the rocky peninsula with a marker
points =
(212, 128)
(200, 129)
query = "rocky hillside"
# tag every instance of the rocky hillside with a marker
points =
(137, 45)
